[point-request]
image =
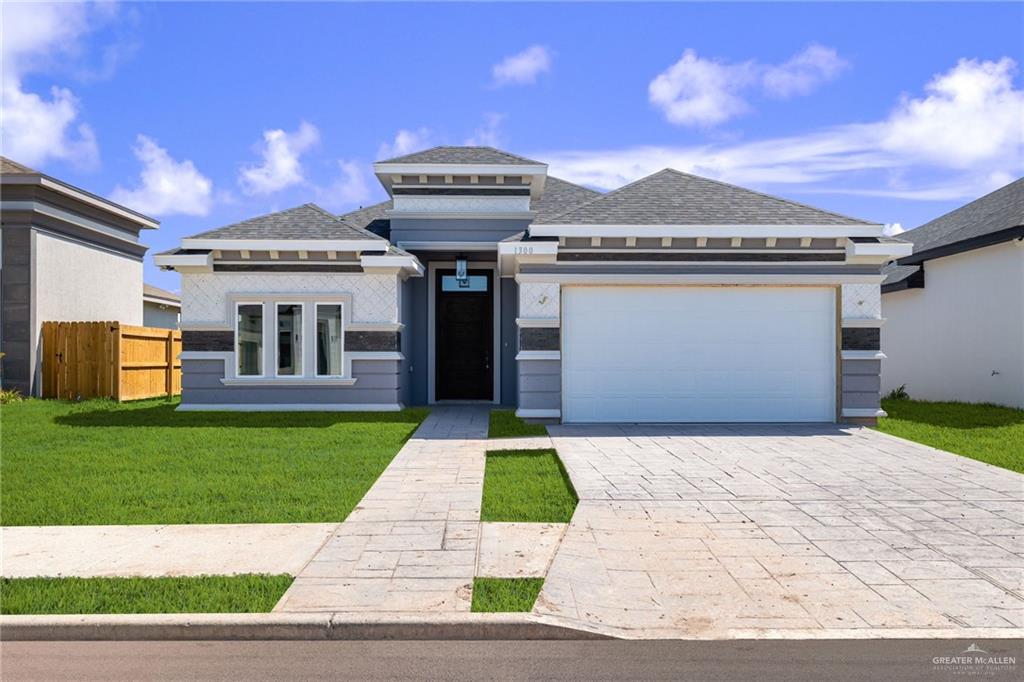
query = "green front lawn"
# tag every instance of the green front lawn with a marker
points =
(203, 594)
(526, 486)
(99, 462)
(988, 433)
(502, 595)
(505, 424)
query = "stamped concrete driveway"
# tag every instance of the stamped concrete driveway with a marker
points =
(718, 530)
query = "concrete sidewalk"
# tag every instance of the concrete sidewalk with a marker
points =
(154, 551)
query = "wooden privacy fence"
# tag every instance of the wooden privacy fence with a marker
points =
(109, 360)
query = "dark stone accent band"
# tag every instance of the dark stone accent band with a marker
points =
(744, 257)
(285, 267)
(207, 340)
(539, 338)
(496, 191)
(373, 341)
(861, 338)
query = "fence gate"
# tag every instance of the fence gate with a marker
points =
(109, 360)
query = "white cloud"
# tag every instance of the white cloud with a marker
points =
(281, 166)
(705, 92)
(349, 189)
(489, 133)
(405, 142)
(803, 72)
(523, 67)
(166, 186)
(892, 229)
(36, 128)
(960, 140)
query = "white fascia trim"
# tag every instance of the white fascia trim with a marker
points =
(384, 168)
(864, 412)
(863, 321)
(288, 381)
(455, 215)
(828, 231)
(286, 407)
(612, 279)
(538, 414)
(408, 264)
(890, 250)
(539, 355)
(535, 322)
(528, 248)
(374, 327)
(179, 260)
(863, 355)
(162, 301)
(87, 198)
(447, 246)
(286, 244)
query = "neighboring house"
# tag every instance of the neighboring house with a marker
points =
(673, 299)
(955, 308)
(160, 308)
(67, 255)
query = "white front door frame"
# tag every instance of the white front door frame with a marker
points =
(432, 268)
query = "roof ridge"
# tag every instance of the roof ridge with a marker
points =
(609, 193)
(767, 195)
(341, 220)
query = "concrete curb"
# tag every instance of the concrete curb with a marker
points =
(284, 626)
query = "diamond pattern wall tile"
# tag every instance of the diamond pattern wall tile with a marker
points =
(862, 301)
(539, 300)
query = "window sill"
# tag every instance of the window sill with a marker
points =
(288, 381)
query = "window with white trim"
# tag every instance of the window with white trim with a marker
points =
(249, 339)
(329, 340)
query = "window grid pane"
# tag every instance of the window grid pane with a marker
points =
(289, 339)
(328, 340)
(249, 332)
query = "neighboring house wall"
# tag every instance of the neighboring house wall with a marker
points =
(159, 315)
(16, 321)
(961, 337)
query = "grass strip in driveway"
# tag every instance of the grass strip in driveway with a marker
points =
(526, 486)
(988, 433)
(504, 595)
(505, 424)
(98, 462)
(202, 594)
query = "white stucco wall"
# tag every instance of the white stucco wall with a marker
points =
(74, 282)
(946, 340)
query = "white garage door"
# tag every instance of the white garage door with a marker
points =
(698, 354)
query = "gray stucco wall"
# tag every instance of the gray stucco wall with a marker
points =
(155, 315)
(377, 384)
(16, 337)
(509, 309)
(861, 382)
(540, 384)
(454, 229)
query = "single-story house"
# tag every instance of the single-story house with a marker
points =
(673, 299)
(67, 255)
(160, 308)
(955, 308)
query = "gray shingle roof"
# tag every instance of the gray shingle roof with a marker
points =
(895, 273)
(1000, 210)
(308, 221)
(157, 292)
(670, 197)
(480, 155)
(14, 168)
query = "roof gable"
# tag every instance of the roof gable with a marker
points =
(12, 167)
(463, 155)
(670, 197)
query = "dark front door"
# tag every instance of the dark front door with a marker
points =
(464, 336)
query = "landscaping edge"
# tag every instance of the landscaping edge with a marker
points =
(349, 626)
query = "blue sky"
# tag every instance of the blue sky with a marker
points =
(204, 114)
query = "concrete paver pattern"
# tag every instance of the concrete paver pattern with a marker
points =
(710, 529)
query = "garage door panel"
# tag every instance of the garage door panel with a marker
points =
(698, 354)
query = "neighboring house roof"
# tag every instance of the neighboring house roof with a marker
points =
(158, 295)
(670, 197)
(308, 221)
(993, 219)
(464, 155)
(559, 196)
(14, 173)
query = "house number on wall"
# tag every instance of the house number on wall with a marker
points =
(524, 250)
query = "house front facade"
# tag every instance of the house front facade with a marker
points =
(483, 279)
